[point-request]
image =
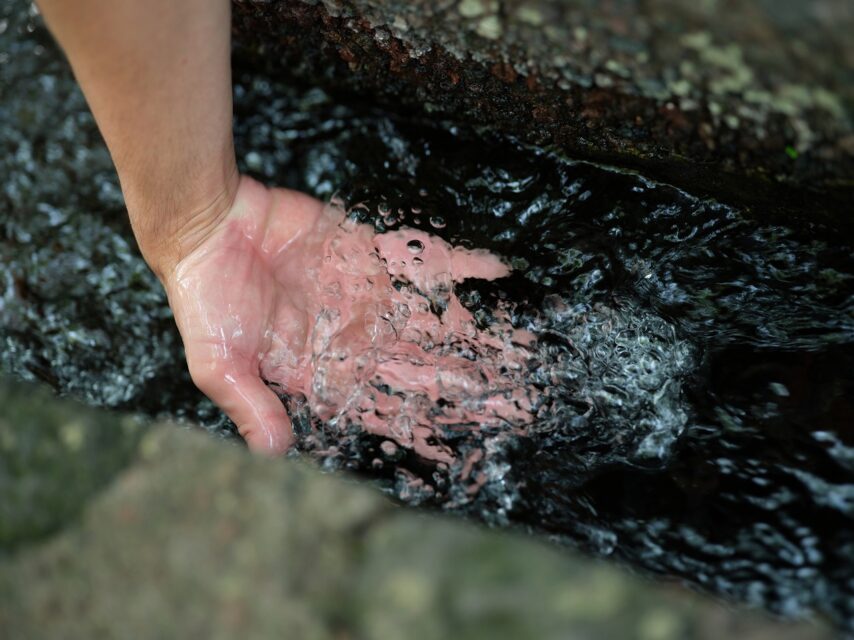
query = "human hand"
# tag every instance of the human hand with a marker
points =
(230, 294)
(281, 290)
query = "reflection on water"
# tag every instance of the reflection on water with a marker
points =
(693, 361)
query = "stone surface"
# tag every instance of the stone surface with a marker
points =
(748, 100)
(198, 539)
(53, 458)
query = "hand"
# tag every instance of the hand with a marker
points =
(280, 290)
(230, 295)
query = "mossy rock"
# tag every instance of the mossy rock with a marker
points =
(54, 455)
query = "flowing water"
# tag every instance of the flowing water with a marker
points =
(687, 391)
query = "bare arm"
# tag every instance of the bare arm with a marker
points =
(157, 76)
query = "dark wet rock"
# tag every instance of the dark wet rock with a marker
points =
(750, 100)
(198, 540)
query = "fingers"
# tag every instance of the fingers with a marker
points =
(476, 263)
(256, 410)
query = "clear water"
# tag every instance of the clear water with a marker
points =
(694, 359)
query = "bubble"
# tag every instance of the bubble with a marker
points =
(383, 209)
(388, 448)
(415, 246)
(437, 222)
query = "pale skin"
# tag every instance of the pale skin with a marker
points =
(157, 76)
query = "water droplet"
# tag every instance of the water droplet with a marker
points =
(437, 222)
(417, 262)
(415, 246)
(779, 389)
(254, 161)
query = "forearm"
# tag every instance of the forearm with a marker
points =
(157, 76)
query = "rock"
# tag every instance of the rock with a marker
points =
(748, 101)
(53, 457)
(199, 539)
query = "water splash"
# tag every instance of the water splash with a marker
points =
(450, 381)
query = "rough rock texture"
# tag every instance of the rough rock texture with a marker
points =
(743, 99)
(53, 459)
(197, 539)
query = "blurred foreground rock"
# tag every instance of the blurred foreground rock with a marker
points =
(197, 539)
(743, 99)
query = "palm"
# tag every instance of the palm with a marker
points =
(285, 292)
(231, 301)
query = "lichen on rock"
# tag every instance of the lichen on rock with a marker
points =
(706, 98)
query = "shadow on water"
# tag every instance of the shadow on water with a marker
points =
(697, 358)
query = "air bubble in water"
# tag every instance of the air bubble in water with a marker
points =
(415, 246)
(437, 222)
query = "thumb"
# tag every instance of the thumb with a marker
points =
(256, 410)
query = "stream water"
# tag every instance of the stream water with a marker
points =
(692, 369)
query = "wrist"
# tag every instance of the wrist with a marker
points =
(167, 232)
